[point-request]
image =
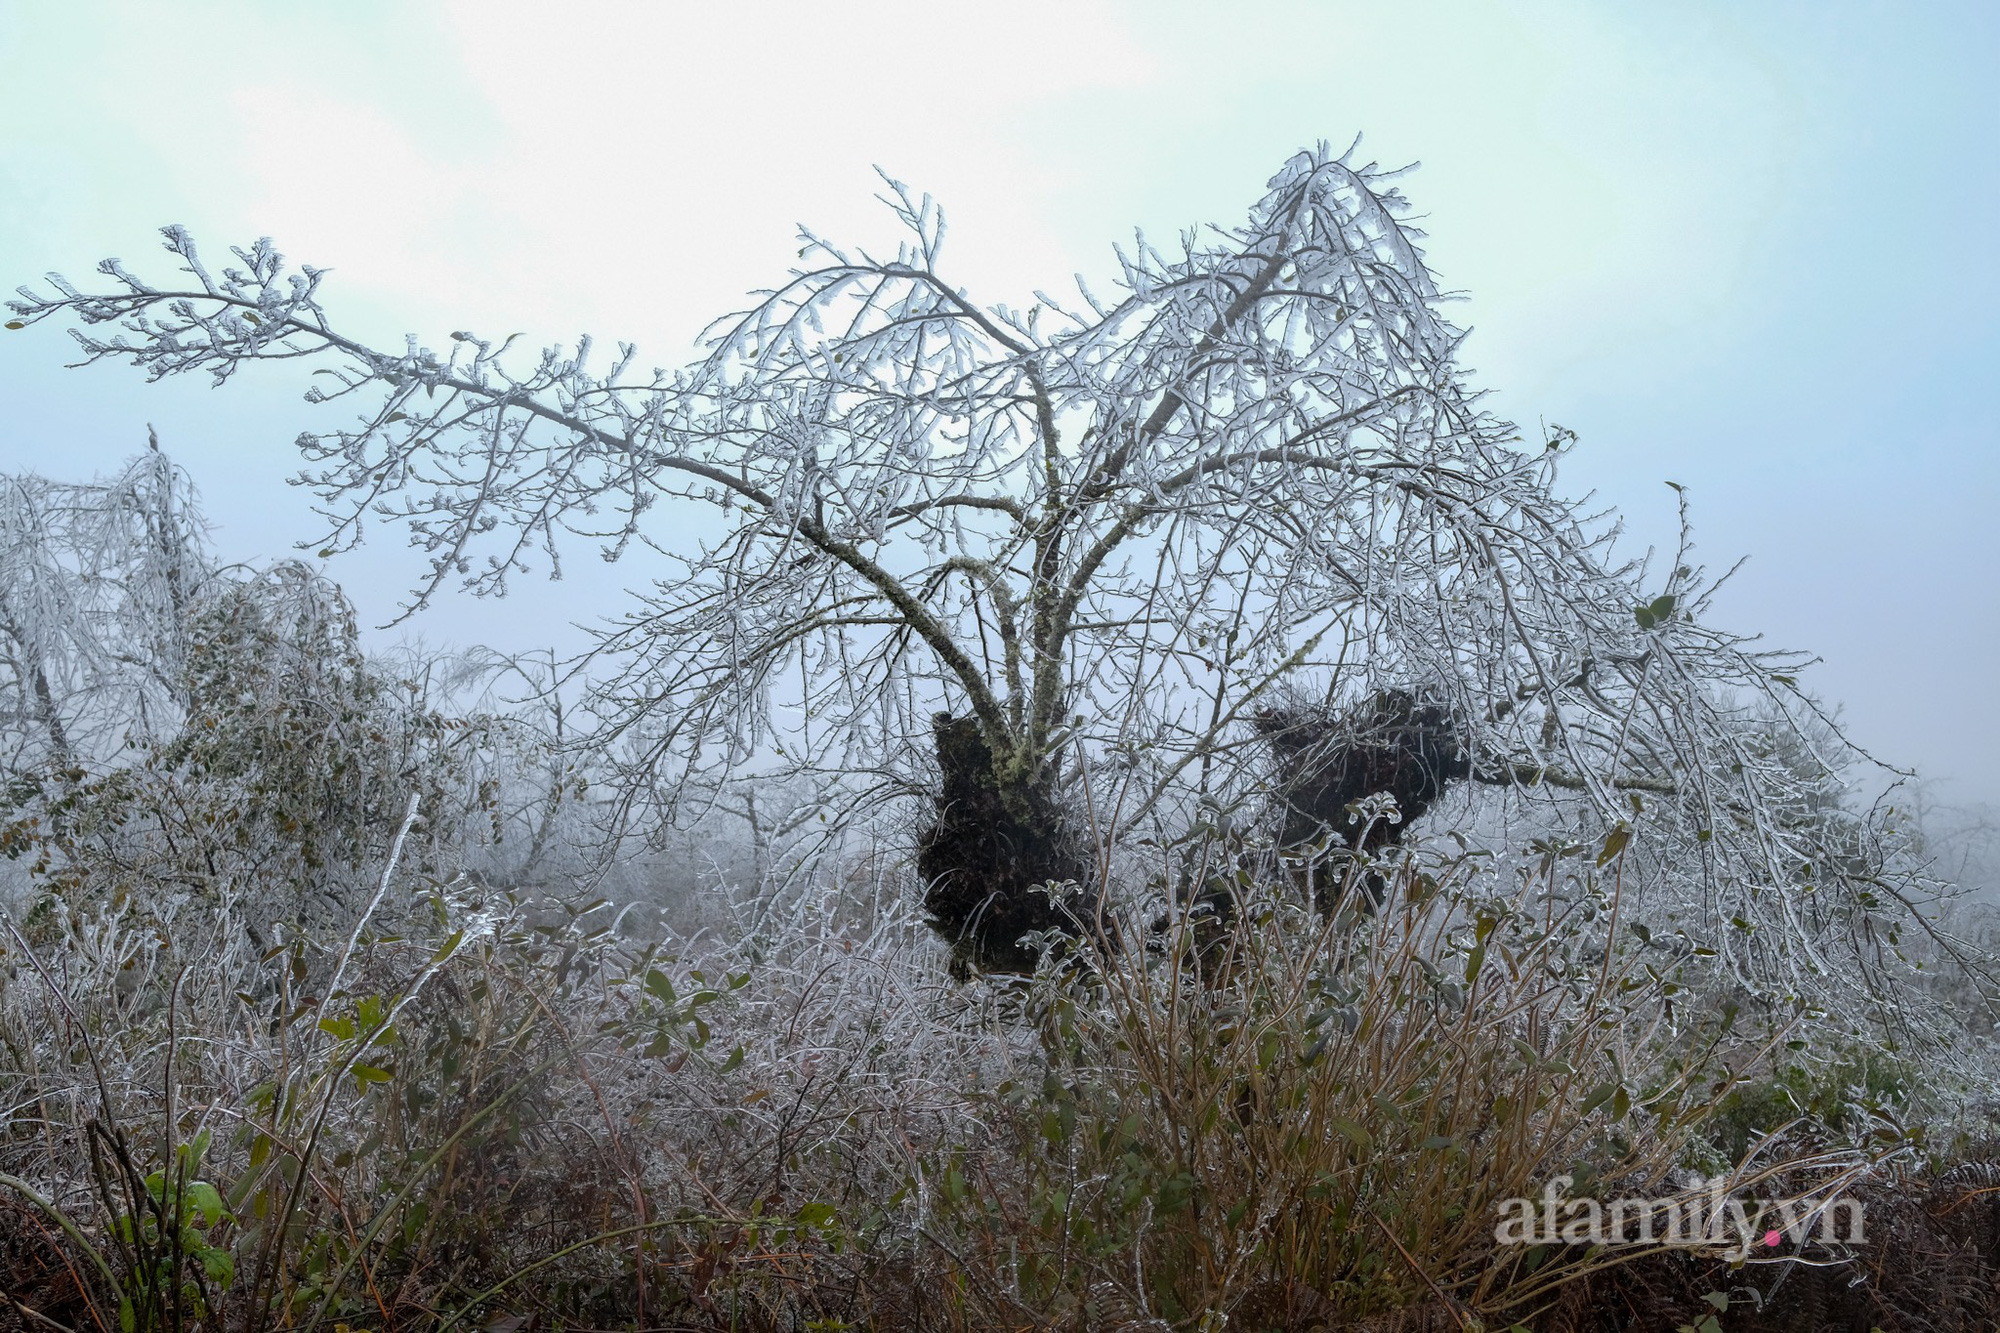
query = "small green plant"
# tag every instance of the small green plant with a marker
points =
(1835, 1093)
(1709, 1323)
(165, 1225)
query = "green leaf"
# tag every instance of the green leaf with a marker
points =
(1354, 1133)
(735, 1059)
(659, 987)
(1653, 614)
(16, 324)
(817, 1214)
(1614, 843)
(206, 1201)
(219, 1265)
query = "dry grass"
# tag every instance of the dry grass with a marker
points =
(508, 1113)
(1337, 1108)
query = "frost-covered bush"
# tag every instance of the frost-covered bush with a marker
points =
(500, 1111)
(96, 583)
(181, 729)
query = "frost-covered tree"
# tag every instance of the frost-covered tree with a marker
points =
(278, 783)
(1066, 549)
(174, 727)
(96, 579)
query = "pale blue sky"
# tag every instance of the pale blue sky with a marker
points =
(1744, 247)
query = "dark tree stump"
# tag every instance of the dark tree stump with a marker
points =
(989, 853)
(1392, 744)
